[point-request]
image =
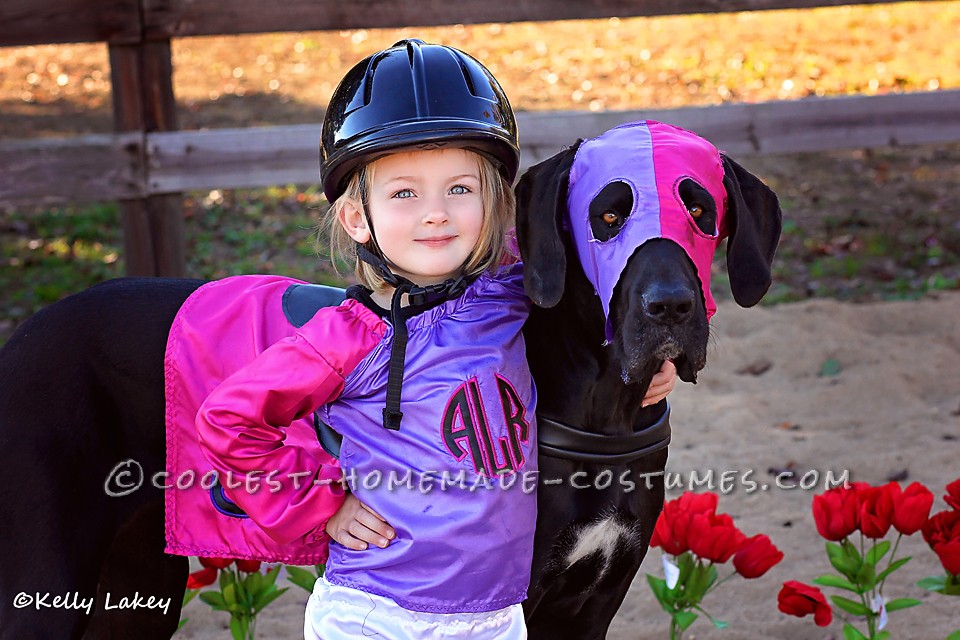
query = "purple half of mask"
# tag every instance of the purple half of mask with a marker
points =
(652, 158)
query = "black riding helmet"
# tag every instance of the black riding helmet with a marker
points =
(415, 94)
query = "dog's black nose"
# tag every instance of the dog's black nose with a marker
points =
(669, 305)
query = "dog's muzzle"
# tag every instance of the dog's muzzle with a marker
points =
(652, 158)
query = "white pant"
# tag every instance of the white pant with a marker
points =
(341, 613)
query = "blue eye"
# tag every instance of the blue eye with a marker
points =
(403, 194)
(459, 190)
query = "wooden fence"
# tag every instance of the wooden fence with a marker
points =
(147, 163)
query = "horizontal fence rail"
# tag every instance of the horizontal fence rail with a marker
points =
(24, 22)
(109, 167)
(148, 164)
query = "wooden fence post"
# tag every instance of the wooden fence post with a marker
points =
(142, 79)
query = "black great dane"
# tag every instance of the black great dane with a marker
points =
(616, 234)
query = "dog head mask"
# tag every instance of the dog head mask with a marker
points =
(646, 168)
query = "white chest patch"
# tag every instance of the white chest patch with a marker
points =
(603, 536)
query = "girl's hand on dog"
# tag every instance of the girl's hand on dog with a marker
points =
(356, 525)
(662, 384)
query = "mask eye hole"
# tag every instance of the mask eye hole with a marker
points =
(700, 205)
(610, 209)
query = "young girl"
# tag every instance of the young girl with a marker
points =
(422, 370)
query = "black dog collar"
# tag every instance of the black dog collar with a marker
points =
(559, 440)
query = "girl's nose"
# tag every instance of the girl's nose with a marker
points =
(435, 211)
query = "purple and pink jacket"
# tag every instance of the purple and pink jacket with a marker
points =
(451, 481)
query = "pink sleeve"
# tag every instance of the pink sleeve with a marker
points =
(242, 424)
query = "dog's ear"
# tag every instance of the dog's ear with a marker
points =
(753, 222)
(541, 208)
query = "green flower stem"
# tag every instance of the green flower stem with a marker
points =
(893, 553)
(717, 584)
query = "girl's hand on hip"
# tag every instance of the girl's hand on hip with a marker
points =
(662, 384)
(356, 525)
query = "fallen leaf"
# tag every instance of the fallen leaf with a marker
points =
(830, 367)
(755, 368)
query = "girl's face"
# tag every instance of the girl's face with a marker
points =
(426, 211)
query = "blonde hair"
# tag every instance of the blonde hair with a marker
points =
(499, 211)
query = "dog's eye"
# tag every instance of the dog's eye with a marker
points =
(611, 218)
(695, 210)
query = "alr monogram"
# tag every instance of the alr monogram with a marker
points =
(466, 429)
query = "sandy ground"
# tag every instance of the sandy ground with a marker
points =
(893, 407)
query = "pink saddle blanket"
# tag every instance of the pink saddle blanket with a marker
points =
(220, 328)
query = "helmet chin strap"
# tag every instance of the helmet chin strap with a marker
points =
(418, 296)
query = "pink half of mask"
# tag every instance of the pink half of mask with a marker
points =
(652, 158)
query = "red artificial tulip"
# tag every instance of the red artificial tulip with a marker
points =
(714, 536)
(698, 502)
(202, 578)
(756, 556)
(911, 507)
(949, 554)
(216, 563)
(248, 566)
(798, 599)
(670, 532)
(953, 494)
(876, 509)
(836, 513)
(942, 533)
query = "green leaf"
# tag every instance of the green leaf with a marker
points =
(242, 596)
(719, 624)
(883, 635)
(855, 608)
(657, 585)
(306, 579)
(189, 595)
(893, 567)
(851, 550)
(684, 619)
(845, 559)
(253, 583)
(831, 580)
(866, 576)
(933, 583)
(214, 599)
(237, 630)
(850, 632)
(830, 367)
(954, 636)
(696, 585)
(877, 551)
(846, 566)
(266, 598)
(271, 576)
(711, 576)
(230, 594)
(687, 566)
(902, 603)
(183, 621)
